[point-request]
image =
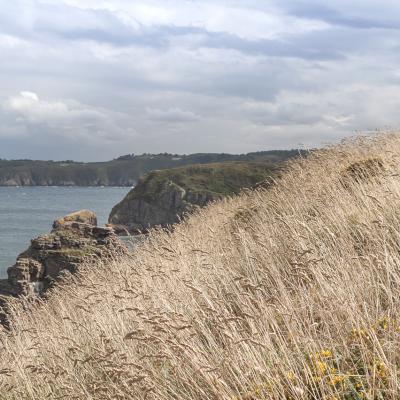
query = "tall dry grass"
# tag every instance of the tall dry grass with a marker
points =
(286, 293)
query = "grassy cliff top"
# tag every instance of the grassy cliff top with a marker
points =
(291, 292)
(221, 179)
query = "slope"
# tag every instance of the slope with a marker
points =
(163, 197)
(285, 293)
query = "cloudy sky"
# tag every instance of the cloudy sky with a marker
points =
(94, 79)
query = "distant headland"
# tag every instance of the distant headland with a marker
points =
(122, 171)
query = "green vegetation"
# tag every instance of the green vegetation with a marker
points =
(217, 179)
(164, 197)
(123, 171)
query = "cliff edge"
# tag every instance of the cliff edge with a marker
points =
(162, 197)
(75, 239)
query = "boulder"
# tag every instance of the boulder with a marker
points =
(82, 216)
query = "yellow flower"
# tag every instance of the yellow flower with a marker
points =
(381, 324)
(384, 325)
(380, 369)
(325, 353)
(320, 367)
(317, 379)
(257, 391)
(291, 376)
(358, 334)
(358, 386)
(335, 379)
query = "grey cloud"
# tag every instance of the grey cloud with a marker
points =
(106, 87)
(273, 48)
(26, 114)
(273, 114)
(161, 37)
(171, 115)
(43, 21)
(104, 27)
(332, 16)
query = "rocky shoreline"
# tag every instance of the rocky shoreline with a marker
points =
(161, 199)
(74, 240)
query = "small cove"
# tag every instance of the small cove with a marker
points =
(26, 212)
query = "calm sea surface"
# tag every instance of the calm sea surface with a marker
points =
(26, 212)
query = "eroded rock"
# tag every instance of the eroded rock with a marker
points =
(82, 216)
(75, 239)
(139, 213)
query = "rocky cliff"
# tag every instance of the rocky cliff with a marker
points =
(74, 239)
(172, 202)
(163, 197)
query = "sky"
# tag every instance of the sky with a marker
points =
(94, 79)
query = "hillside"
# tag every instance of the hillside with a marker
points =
(123, 171)
(290, 292)
(164, 197)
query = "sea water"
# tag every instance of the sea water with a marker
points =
(26, 212)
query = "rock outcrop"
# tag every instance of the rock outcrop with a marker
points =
(82, 216)
(74, 239)
(163, 197)
(172, 202)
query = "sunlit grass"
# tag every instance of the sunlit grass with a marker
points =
(287, 293)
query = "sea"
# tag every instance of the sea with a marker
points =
(26, 212)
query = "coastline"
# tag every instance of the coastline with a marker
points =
(27, 212)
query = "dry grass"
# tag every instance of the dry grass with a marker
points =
(290, 293)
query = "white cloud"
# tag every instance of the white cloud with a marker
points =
(171, 115)
(29, 96)
(10, 42)
(28, 111)
(28, 106)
